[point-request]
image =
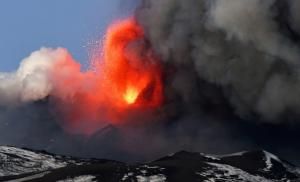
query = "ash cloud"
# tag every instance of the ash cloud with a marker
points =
(244, 47)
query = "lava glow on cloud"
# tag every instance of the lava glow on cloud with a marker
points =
(127, 77)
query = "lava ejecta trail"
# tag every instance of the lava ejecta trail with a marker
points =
(126, 78)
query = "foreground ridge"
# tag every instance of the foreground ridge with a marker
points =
(253, 166)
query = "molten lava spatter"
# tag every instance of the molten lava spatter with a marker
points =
(126, 77)
(129, 68)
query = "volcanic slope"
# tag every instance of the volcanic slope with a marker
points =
(253, 166)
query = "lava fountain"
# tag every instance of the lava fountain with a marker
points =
(129, 67)
(127, 77)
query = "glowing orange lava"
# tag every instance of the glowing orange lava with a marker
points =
(128, 67)
(126, 77)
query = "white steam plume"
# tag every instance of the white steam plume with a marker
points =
(31, 81)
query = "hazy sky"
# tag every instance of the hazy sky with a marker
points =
(26, 26)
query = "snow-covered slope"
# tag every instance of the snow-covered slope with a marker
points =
(15, 161)
(18, 165)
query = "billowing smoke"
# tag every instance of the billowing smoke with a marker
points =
(206, 75)
(247, 48)
(31, 82)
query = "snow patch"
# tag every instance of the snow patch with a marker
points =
(126, 176)
(151, 167)
(225, 172)
(14, 161)
(153, 178)
(268, 159)
(85, 178)
(212, 157)
(231, 155)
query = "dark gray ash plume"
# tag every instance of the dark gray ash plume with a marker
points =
(249, 49)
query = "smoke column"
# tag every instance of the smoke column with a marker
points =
(247, 48)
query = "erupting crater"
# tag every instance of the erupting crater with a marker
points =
(127, 77)
(129, 66)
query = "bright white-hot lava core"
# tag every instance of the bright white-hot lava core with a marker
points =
(130, 95)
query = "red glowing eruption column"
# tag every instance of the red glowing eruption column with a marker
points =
(127, 77)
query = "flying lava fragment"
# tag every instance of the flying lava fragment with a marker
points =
(127, 77)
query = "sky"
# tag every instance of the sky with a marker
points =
(26, 26)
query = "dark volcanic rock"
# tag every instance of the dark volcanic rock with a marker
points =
(256, 166)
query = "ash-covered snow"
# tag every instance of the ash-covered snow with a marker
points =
(145, 173)
(14, 161)
(182, 166)
(85, 178)
(229, 173)
(268, 159)
(153, 178)
(126, 176)
(231, 155)
(212, 157)
(156, 168)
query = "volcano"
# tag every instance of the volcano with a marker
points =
(216, 76)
